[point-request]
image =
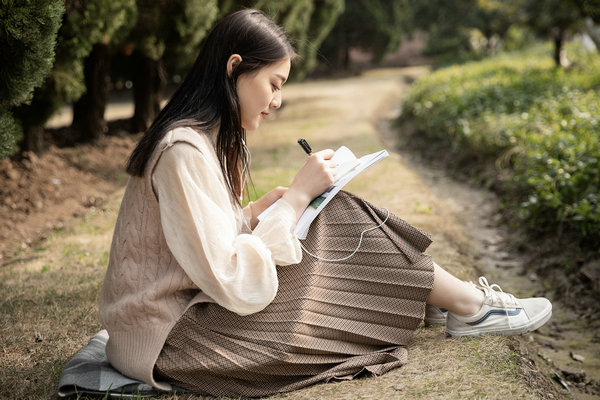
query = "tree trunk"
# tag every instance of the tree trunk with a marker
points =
(148, 85)
(344, 58)
(559, 56)
(593, 30)
(33, 139)
(88, 112)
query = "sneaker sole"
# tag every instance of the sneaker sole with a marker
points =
(435, 321)
(531, 326)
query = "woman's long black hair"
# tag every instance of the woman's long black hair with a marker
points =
(208, 97)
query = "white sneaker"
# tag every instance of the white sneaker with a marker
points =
(435, 315)
(501, 314)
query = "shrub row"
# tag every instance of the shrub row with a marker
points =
(539, 125)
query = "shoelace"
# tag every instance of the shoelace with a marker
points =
(496, 292)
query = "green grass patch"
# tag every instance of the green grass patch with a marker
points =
(536, 124)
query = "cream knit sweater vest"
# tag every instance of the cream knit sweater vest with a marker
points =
(143, 298)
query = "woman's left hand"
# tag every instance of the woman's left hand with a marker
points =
(265, 202)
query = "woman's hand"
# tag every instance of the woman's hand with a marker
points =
(260, 205)
(315, 177)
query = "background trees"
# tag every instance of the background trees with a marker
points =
(73, 51)
(167, 32)
(112, 21)
(307, 22)
(84, 24)
(554, 19)
(448, 24)
(70, 57)
(493, 18)
(374, 26)
(590, 10)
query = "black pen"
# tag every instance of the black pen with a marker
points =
(305, 146)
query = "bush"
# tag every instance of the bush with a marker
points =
(27, 39)
(536, 123)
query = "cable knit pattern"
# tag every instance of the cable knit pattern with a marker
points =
(179, 240)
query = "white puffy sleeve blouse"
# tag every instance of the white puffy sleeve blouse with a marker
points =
(209, 236)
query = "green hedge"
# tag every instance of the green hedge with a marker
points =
(538, 124)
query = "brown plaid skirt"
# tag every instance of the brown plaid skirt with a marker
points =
(329, 320)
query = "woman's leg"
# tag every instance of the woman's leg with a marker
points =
(475, 310)
(455, 295)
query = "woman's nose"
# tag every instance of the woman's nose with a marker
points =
(276, 101)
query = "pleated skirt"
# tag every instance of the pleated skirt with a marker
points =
(329, 320)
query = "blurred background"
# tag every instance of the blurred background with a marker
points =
(79, 53)
(503, 94)
(512, 96)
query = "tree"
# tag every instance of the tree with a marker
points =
(306, 22)
(166, 30)
(28, 34)
(375, 26)
(493, 18)
(113, 20)
(448, 24)
(590, 10)
(85, 23)
(554, 19)
(321, 24)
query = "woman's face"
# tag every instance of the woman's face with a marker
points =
(259, 92)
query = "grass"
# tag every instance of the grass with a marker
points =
(49, 303)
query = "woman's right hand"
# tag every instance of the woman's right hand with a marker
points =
(315, 177)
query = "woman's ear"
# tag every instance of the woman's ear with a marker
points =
(233, 62)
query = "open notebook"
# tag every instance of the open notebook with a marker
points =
(348, 166)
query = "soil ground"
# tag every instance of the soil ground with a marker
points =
(58, 212)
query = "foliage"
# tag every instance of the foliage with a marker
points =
(109, 23)
(590, 8)
(552, 18)
(322, 21)
(448, 24)
(537, 123)
(84, 24)
(307, 23)
(294, 16)
(374, 26)
(10, 131)
(27, 38)
(493, 18)
(481, 27)
(173, 29)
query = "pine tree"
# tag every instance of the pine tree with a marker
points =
(112, 21)
(166, 31)
(85, 23)
(27, 40)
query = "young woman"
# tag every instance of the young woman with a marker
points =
(201, 294)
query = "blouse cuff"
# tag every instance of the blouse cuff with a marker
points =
(247, 218)
(276, 230)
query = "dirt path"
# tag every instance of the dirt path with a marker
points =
(50, 291)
